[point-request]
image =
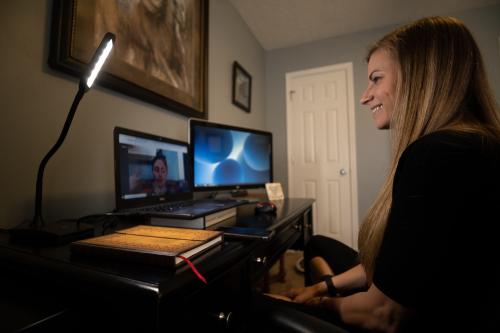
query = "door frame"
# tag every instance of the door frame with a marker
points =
(348, 67)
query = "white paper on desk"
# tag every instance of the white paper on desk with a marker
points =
(274, 191)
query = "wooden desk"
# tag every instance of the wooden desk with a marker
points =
(99, 294)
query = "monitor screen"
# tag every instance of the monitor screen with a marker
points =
(150, 169)
(229, 157)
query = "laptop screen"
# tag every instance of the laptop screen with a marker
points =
(150, 169)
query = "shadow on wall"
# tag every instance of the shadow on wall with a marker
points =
(69, 206)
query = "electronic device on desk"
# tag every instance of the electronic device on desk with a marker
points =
(265, 207)
(150, 169)
(229, 158)
(248, 224)
(153, 179)
(247, 232)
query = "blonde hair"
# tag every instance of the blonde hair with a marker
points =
(441, 84)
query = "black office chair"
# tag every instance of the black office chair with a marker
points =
(283, 319)
(274, 317)
(288, 320)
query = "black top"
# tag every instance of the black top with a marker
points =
(439, 255)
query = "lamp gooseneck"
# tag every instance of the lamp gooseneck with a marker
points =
(38, 218)
(37, 231)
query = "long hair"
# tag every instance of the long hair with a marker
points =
(441, 84)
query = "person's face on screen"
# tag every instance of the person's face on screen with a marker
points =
(379, 95)
(159, 171)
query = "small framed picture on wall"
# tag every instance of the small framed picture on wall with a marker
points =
(242, 87)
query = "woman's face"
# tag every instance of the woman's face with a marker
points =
(159, 171)
(380, 94)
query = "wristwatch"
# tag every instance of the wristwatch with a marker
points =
(332, 290)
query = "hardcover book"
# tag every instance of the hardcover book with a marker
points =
(150, 244)
(202, 222)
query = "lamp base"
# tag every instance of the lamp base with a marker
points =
(52, 233)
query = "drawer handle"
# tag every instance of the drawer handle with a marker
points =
(222, 318)
(260, 260)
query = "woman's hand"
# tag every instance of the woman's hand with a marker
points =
(280, 297)
(316, 301)
(302, 295)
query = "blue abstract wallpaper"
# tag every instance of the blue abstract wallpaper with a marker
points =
(228, 157)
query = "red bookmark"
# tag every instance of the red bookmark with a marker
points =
(198, 274)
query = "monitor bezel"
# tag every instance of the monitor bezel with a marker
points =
(200, 122)
(150, 200)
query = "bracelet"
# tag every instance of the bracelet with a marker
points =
(332, 290)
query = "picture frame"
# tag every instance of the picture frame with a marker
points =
(160, 59)
(242, 87)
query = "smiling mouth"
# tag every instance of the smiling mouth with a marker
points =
(376, 108)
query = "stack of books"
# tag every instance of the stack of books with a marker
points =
(150, 244)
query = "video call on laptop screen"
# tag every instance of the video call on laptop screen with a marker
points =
(150, 167)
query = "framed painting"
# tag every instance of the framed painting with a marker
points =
(242, 87)
(160, 53)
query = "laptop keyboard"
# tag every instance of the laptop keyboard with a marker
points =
(168, 207)
(175, 206)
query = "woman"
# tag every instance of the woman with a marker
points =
(427, 259)
(160, 172)
(158, 184)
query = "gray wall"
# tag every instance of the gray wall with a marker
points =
(231, 40)
(372, 145)
(34, 101)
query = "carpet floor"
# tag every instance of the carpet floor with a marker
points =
(293, 277)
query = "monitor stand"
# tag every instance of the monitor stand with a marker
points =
(239, 193)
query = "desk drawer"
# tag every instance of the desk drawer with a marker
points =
(268, 252)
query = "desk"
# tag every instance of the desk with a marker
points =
(99, 294)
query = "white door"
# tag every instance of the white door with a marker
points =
(321, 148)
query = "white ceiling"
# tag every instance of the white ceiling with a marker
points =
(283, 23)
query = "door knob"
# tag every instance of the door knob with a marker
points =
(343, 172)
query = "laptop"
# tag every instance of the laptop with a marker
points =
(153, 178)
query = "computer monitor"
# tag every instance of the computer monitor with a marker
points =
(229, 157)
(150, 169)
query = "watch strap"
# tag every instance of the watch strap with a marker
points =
(332, 290)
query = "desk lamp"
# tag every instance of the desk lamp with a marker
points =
(37, 231)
